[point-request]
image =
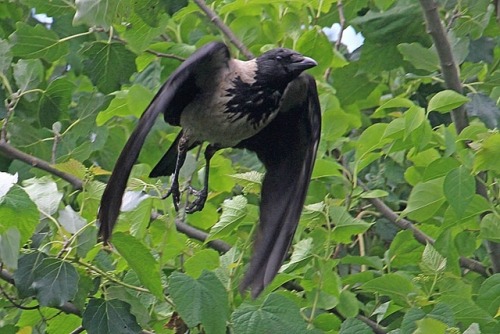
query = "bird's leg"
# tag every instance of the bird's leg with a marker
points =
(181, 158)
(201, 195)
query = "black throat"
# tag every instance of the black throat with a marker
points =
(257, 102)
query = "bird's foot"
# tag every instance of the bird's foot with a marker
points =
(176, 195)
(199, 202)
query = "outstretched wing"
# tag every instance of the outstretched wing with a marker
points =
(287, 148)
(191, 78)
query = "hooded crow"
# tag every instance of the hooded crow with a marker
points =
(266, 105)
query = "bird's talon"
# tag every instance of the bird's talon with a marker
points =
(199, 202)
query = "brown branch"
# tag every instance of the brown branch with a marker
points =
(451, 76)
(224, 28)
(449, 67)
(13, 153)
(194, 233)
(418, 234)
(340, 8)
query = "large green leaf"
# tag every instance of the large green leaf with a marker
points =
(140, 260)
(55, 282)
(488, 156)
(459, 189)
(200, 301)
(397, 287)
(446, 101)
(490, 227)
(37, 42)
(113, 316)
(420, 57)
(55, 101)
(233, 212)
(18, 211)
(345, 225)
(101, 13)
(276, 314)
(489, 295)
(25, 273)
(108, 65)
(425, 200)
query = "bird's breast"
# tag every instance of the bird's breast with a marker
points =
(230, 114)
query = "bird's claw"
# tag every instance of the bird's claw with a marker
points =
(176, 195)
(199, 202)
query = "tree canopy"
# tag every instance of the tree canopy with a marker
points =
(401, 228)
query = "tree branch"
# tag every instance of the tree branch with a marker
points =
(194, 233)
(449, 67)
(451, 76)
(13, 153)
(224, 28)
(417, 233)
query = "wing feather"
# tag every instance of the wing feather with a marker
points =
(179, 90)
(287, 148)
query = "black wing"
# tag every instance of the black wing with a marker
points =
(287, 148)
(189, 79)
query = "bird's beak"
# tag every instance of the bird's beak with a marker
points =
(303, 64)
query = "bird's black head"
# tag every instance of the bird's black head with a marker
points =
(280, 66)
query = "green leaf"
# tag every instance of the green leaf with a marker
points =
(355, 326)
(277, 314)
(55, 101)
(9, 247)
(233, 212)
(5, 56)
(414, 117)
(489, 295)
(314, 44)
(425, 200)
(200, 301)
(141, 261)
(488, 156)
(490, 228)
(348, 304)
(302, 251)
(18, 211)
(52, 8)
(345, 225)
(113, 316)
(465, 310)
(28, 74)
(206, 259)
(55, 282)
(137, 306)
(44, 193)
(108, 65)
(430, 325)
(432, 262)
(71, 220)
(396, 287)
(459, 188)
(446, 101)
(420, 57)
(37, 42)
(25, 273)
(101, 13)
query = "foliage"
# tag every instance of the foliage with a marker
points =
(401, 228)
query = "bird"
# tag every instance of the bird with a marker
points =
(267, 105)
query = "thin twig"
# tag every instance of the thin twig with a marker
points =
(165, 55)
(13, 153)
(224, 28)
(340, 8)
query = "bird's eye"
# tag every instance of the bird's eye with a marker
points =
(279, 57)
